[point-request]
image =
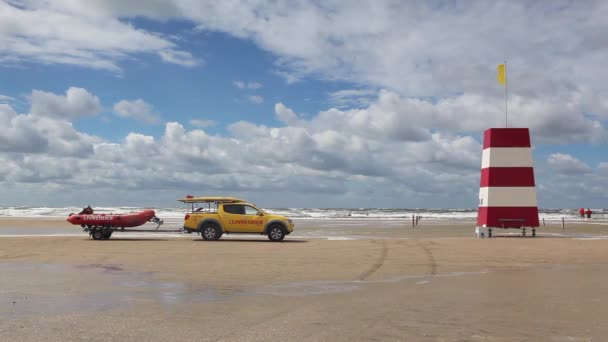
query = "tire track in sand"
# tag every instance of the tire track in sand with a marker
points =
(430, 256)
(379, 263)
(5, 257)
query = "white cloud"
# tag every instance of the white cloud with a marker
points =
(18, 133)
(248, 130)
(182, 58)
(395, 115)
(256, 99)
(285, 115)
(567, 164)
(50, 134)
(290, 77)
(247, 85)
(406, 47)
(566, 179)
(403, 48)
(76, 103)
(86, 34)
(352, 97)
(6, 113)
(203, 123)
(304, 156)
(379, 154)
(6, 99)
(138, 110)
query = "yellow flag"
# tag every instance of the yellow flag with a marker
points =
(502, 74)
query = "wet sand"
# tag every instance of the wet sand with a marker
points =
(432, 283)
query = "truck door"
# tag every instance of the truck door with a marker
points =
(241, 218)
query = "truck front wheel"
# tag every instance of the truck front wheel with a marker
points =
(276, 233)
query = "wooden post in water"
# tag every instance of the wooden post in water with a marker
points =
(563, 223)
(543, 221)
(413, 222)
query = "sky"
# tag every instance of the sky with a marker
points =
(343, 104)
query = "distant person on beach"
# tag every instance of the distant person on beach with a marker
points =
(588, 212)
(582, 212)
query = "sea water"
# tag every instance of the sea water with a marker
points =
(335, 214)
(326, 223)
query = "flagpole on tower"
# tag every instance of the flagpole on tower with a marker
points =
(506, 95)
(502, 79)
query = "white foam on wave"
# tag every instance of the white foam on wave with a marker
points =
(50, 212)
(176, 214)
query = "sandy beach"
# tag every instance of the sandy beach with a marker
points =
(432, 283)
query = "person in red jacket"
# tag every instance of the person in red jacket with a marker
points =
(588, 212)
(86, 210)
(582, 212)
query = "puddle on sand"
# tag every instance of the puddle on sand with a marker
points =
(38, 288)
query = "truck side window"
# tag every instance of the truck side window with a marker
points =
(230, 209)
(234, 209)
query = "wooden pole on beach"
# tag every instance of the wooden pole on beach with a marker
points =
(413, 222)
(563, 223)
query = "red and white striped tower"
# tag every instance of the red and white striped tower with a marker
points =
(507, 193)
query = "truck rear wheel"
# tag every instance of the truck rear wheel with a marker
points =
(210, 232)
(276, 233)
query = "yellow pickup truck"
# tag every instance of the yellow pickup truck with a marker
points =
(214, 216)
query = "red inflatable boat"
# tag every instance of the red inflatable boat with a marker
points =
(113, 220)
(101, 226)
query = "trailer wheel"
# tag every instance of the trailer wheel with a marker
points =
(106, 234)
(210, 232)
(97, 234)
